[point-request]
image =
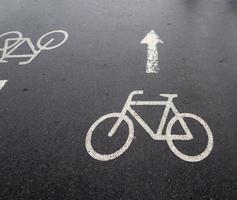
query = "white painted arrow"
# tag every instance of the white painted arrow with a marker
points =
(2, 83)
(152, 39)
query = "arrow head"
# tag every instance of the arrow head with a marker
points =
(151, 38)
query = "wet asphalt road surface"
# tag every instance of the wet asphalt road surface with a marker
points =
(47, 106)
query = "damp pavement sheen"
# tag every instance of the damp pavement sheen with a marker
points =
(48, 105)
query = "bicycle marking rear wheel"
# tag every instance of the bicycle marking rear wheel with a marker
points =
(119, 152)
(177, 152)
(19, 36)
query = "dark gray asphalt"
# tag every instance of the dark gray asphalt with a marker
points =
(47, 106)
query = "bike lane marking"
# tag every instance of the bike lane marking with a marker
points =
(152, 39)
(168, 136)
(8, 49)
(2, 83)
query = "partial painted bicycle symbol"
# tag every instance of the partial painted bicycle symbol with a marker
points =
(13, 43)
(2, 83)
(169, 136)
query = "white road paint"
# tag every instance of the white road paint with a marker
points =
(11, 44)
(169, 136)
(152, 39)
(2, 83)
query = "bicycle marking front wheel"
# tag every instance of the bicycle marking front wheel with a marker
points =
(177, 152)
(45, 46)
(119, 152)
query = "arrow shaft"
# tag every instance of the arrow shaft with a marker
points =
(152, 59)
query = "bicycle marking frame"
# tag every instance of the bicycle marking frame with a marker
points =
(169, 105)
(156, 136)
(7, 50)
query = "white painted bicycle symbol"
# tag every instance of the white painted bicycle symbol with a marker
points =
(13, 43)
(2, 83)
(169, 136)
